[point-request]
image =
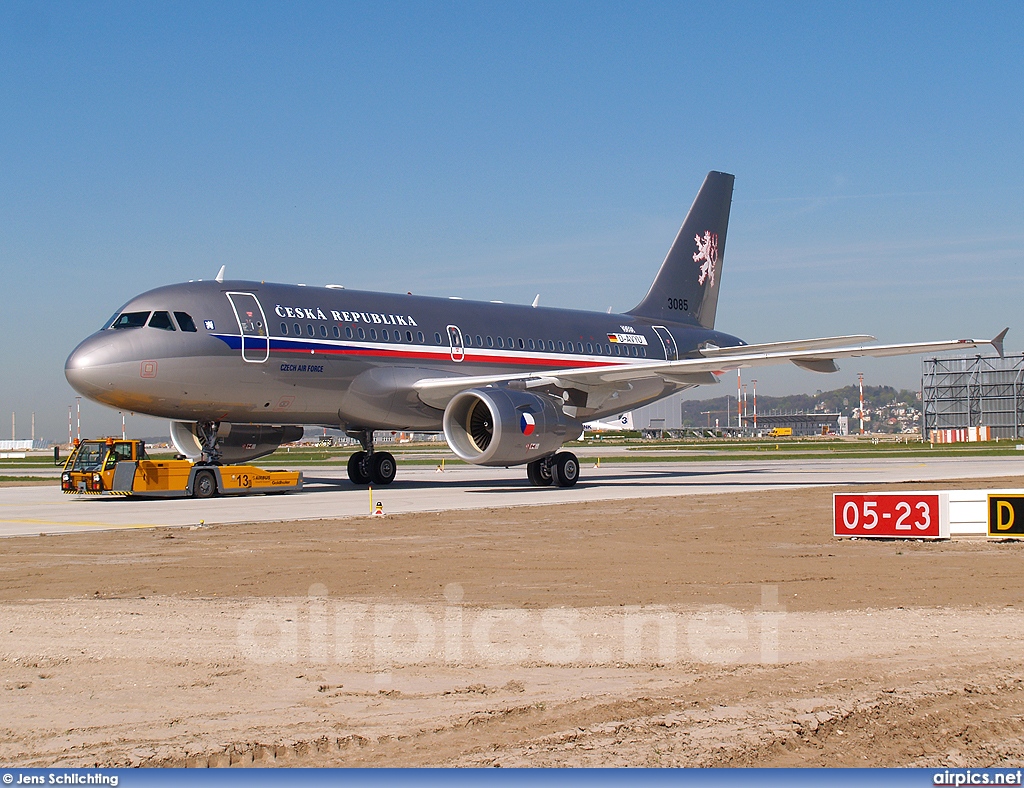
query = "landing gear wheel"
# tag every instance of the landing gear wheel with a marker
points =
(382, 468)
(204, 485)
(539, 473)
(356, 468)
(565, 470)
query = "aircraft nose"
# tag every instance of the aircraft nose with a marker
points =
(87, 368)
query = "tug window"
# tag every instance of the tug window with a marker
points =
(161, 320)
(185, 322)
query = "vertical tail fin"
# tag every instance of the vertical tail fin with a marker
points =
(686, 287)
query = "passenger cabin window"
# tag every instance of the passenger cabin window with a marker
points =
(531, 343)
(161, 320)
(185, 322)
(361, 334)
(284, 329)
(373, 333)
(323, 331)
(131, 320)
(337, 333)
(309, 329)
(408, 336)
(419, 337)
(298, 330)
(437, 337)
(386, 336)
(348, 332)
(490, 342)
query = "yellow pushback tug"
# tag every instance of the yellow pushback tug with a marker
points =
(108, 466)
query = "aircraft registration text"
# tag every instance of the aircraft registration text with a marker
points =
(628, 339)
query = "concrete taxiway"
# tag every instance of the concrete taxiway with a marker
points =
(26, 511)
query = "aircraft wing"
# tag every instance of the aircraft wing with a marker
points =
(818, 355)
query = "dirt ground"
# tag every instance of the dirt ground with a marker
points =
(728, 630)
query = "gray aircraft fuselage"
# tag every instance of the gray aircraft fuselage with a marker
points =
(286, 354)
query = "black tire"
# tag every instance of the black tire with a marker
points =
(382, 468)
(565, 470)
(538, 473)
(357, 468)
(204, 485)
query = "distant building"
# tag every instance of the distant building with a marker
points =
(817, 423)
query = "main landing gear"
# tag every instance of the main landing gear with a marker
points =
(369, 466)
(562, 470)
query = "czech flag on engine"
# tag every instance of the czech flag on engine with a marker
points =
(527, 423)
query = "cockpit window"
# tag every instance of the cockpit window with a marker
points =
(185, 321)
(161, 320)
(130, 320)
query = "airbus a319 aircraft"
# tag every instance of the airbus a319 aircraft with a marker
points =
(241, 367)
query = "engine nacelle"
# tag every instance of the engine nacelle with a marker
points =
(236, 442)
(499, 426)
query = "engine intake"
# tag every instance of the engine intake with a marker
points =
(237, 442)
(502, 427)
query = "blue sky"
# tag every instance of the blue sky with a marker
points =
(499, 151)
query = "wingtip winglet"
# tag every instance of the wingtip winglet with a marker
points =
(997, 342)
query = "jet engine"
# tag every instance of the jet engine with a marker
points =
(236, 442)
(502, 427)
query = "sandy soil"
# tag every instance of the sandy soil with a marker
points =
(727, 630)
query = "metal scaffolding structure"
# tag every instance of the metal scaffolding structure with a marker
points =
(973, 392)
